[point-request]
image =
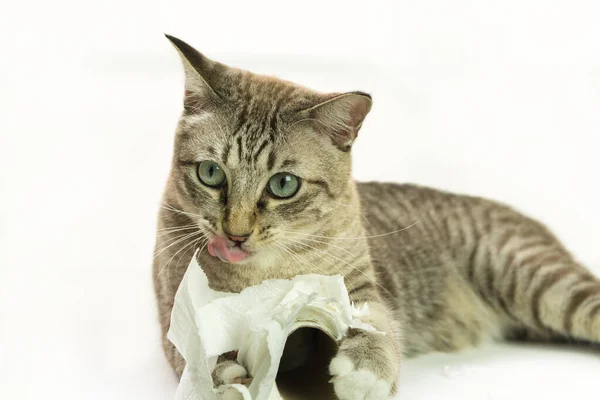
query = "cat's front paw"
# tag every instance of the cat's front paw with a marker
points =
(227, 372)
(365, 368)
(351, 383)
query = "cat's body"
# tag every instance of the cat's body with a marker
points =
(439, 271)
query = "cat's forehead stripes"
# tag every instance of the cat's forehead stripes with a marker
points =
(254, 154)
(258, 106)
(271, 160)
(262, 146)
(287, 163)
(240, 149)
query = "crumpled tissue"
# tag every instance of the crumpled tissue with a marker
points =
(206, 323)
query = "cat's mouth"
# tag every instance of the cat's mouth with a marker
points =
(226, 251)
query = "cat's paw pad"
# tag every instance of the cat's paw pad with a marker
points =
(356, 384)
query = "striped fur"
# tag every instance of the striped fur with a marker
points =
(462, 270)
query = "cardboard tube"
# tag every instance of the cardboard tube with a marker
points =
(304, 369)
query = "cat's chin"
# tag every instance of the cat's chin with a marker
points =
(250, 259)
(231, 256)
(261, 258)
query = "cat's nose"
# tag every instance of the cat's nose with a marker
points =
(238, 239)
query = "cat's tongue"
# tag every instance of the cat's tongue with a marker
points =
(217, 247)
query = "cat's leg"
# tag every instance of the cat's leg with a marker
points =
(367, 364)
(524, 271)
(173, 356)
(168, 268)
(226, 371)
(165, 295)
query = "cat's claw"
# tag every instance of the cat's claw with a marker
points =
(356, 384)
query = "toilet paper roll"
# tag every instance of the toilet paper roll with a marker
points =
(285, 332)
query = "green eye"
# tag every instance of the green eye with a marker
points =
(283, 185)
(211, 174)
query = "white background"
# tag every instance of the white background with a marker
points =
(493, 98)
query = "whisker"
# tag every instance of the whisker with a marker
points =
(323, 257)
(351, 266)
(192, 244)
(294, 255)
(167, 263)
(348, 264)
(177, 230)
(353, 208)
(297, 257)
(329, 244)
(169, 228)
(169, 241)
(354, 238)
(177, 210)
(343, 249)
(185, 237)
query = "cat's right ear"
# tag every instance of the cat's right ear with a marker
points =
(200, 71)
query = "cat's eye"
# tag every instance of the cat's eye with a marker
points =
(211, 174)
(283, 185)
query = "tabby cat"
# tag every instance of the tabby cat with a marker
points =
(261, 185)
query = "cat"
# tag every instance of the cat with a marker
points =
(261, 185)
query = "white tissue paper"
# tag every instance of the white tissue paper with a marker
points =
(256, 322)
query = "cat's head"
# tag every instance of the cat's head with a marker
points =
(257, 158)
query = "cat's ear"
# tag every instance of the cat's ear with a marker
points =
(199, 74)
(340, 117)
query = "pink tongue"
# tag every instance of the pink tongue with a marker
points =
(217, 247)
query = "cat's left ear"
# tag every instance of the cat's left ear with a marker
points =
(201, 77)
(340, 117)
